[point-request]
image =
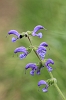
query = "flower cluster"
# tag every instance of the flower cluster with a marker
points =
(40, 51)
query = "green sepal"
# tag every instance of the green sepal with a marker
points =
(44, 60)
(29, 49)
(40, 65)
(34, 47)
(23, 33)
(29, 32)
(51, 81)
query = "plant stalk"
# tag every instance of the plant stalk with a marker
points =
(49, 73)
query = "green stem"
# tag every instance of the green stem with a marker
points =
(29, 40)
(37, 54)
(59, 91)
(49, 73)
(34, 49)
(58, 88)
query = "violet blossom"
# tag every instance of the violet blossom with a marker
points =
(42, 82)
(37, 28)
(23, 50)
(14, 32)
(49, 61)
(32, 66)
(41, 51)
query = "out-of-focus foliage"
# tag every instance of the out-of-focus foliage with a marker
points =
(24, 15)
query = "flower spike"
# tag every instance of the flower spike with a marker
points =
(37, 28)
(42, 82)
(23, 50)
(14, 32)
(49, 61)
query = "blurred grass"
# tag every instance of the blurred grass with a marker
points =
(26, 14)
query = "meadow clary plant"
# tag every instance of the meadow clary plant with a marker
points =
(40, 52)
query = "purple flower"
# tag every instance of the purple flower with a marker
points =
(44, 44)
(41, 51)
(32, 66)
(14, 32)
(42, 82)
(23, 50)
(37, 28)
(49, 61)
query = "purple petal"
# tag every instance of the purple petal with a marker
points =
(32, 72)
(44, 44)
(42, 82)
(38, 27)
(14, 32)
(23, 50)
(34, 34)
(49, 61)
(14, 39)
(39, 35)
(41, 51)
(44, 90)
(31, 65)
(41, 48)
(42, 54)
(49, 68)
(20, 49)
(22, 56)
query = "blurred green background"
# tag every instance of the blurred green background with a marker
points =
(23, 15)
